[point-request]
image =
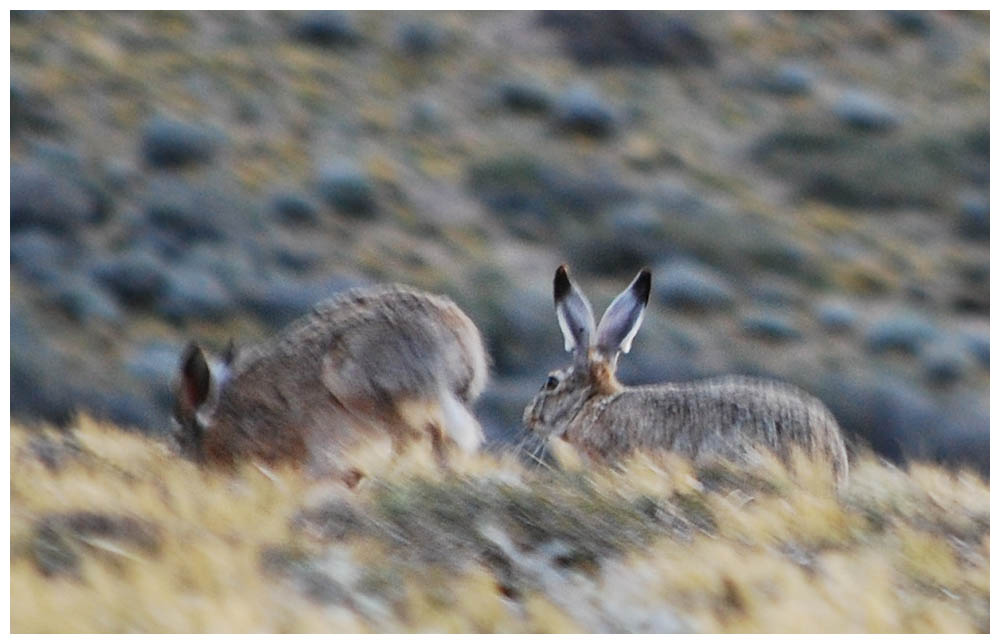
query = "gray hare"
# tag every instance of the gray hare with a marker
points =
(728, 417)
(388, 359)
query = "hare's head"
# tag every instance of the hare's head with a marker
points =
(595, 352)
(197, 396)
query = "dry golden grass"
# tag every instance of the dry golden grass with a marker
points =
(112, 533)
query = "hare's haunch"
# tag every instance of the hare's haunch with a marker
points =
(728, 417)
(389, 360)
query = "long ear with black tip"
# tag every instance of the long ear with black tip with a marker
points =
(622, 319)
(576, 317)
(195, 377)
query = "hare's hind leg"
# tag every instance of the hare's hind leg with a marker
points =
(441, 418)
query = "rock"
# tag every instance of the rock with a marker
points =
(136, 277)
(295, 260)
(194, 294)
(635, 239)
(906, 332)
(790, 79)
(582, 111)
(37, 377)
(326, 28)
(836, 316)
(521, 333)
(49, 199)
(170, 143)
(39, 256)
(689, 285)
(917, 23)
(421, 39)
(979, 347)
(128, 411)
(768, 325)
(630, 38)
(426, 115)
(189, 211)
(535, 199)
(852, 169)
(501, 408)
(277, 301)
(944, 362)
(974, 217)
(31, 110)
(294, 209)
(154, 367)
(524, 95)
(347, 188)
(902, 422)
(83, 301)
(865, 112)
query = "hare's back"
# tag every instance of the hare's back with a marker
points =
(729, 417)
(394, 340)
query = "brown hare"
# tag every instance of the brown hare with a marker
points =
(728, 417)
(388, 360)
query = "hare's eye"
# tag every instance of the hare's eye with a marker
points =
(551, 383)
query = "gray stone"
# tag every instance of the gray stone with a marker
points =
(326, 28)
(83, 301)
(836, 316)
(865, 112)
(277, 301)
(535, 199)
(634, 238)
(524, 95)
(49, 199)
(944, 362)
(31, 110)
(347, 188)
(582, 110)
(170, 143)
(154, 367)
(974, 217)
(294, 209)
(979, 347)
(194, 294)
(38, 389)
(770, 325)
(420, 39)
(790, 79)
(689, 285)
(906, 332)
(136, 278)
(631, 38)
(39, 256)
(189, 211)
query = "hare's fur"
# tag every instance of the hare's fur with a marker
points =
(730, 417)
(387, 360)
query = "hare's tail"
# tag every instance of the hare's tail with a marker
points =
(459, 423)
(446, 414)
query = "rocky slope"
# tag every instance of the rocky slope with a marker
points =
(811, 190)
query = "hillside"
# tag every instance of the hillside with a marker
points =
(110, 533)
(809, 188)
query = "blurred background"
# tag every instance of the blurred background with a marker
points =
(811, 190)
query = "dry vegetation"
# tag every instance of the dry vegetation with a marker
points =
(110, 532)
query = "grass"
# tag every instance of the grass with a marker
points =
(112, 533)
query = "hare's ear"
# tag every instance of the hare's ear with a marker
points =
(576, 317)
(621, 320)
(196, 378)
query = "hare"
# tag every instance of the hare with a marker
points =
(388, 360)
(728, 417)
